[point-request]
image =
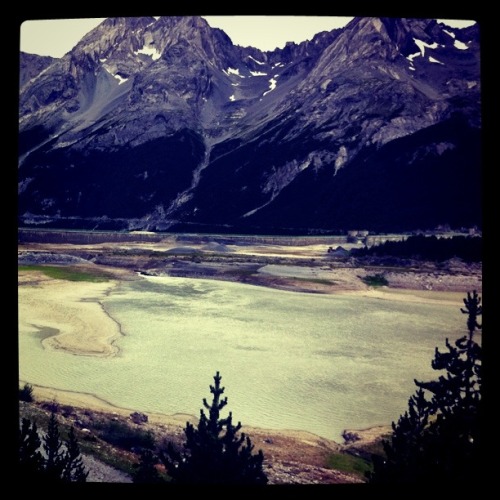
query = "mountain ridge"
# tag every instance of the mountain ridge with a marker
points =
(185, 129)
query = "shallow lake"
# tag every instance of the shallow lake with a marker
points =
(288, 360)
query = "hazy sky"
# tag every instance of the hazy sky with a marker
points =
(55, 37)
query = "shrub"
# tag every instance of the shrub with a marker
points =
(349, 463)
(26, 393)
(375, 280)
(124, 436)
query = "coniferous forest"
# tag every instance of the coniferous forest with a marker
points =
(467, 248)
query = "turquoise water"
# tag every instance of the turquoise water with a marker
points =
(288, 360)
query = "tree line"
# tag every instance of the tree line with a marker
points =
(45, 458)
(467, 248)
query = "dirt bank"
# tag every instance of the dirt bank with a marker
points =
(291, 456)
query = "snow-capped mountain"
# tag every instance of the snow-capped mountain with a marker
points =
(165, 124)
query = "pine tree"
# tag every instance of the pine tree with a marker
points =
(213, 452)
(438, 438)
(31, 461)
(26, 393)
(61, 463)
(54, 463)
(74, 470)
(146, 471)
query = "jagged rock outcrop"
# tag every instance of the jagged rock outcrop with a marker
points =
(31, 65)
(165, 124)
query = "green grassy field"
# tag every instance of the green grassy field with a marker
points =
(350, 464)
(69, 273)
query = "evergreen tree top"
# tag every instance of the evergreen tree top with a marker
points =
(215, 452)
(438, 439)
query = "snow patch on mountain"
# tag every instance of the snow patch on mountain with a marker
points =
(258, 73)
(232, 71)
(457, 43)
(423, 45)
(255, 60)
(342, 157)
(460, 45)
(149, 51)
(120, 79)
(433, 60)
(272, 85)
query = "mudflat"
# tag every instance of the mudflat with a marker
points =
(68, 315)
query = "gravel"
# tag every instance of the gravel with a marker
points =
(99, 472)
(33, 258)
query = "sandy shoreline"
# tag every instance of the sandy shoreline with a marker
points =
(81, 327)
(291, 456)
(91, 402)
(412, 296)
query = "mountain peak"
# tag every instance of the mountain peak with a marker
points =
(110, 34)
(190, 21)
(127, 22)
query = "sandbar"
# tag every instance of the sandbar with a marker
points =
(70, 311)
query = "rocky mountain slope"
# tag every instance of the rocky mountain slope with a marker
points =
(163, 123)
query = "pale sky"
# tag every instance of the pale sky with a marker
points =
(56, 37)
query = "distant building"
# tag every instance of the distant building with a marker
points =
(356, 235)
